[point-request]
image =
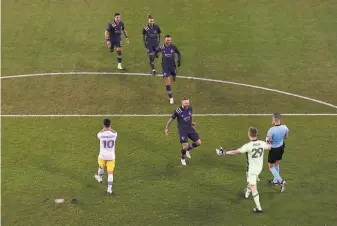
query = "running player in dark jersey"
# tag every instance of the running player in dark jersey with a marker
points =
(151, 37)
(169, 51)
(113, 37)
(186, 130)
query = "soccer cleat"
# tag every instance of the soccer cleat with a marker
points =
(257, 210)
(283, 186)
(183, 162)
(154, 72)
(171, 100)
(188, 154)
(98, 178)
(272, 182)
(247, 192)
(119, 66)
(109, 191)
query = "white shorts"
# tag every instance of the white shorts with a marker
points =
(252, 178)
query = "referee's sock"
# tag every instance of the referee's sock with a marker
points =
(277, 167)
(276, 174)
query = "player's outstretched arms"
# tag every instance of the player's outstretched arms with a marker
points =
(221, 151)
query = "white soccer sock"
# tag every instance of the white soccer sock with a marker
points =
(110, 180)
(100, 172)
(257, 200)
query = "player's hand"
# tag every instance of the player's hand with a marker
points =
(166, 132)
(127, 40)
(108, 44)
(194, 124)
(179, 63)
(220, 151)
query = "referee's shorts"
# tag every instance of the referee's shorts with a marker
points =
(275, 154)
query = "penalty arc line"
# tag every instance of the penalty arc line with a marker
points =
(158, 115)
(183, 77)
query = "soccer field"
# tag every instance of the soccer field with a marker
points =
(245, 57)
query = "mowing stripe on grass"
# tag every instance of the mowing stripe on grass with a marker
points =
(158, 115)
(184, 77)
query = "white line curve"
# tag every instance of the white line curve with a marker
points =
(184, 77)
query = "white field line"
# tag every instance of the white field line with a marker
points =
(184, 77)
(155, 115)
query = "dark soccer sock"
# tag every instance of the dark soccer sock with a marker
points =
(168, 90)
(191, 146)
(151, 62)
(119, 56)
(183, 153)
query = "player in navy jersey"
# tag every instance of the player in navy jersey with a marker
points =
(186, 130)
(151, 37)
(113, 37)
(168, 63)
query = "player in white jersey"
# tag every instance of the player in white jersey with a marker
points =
(106, 157)
(254, 152)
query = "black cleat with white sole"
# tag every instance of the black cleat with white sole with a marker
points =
(256, 210)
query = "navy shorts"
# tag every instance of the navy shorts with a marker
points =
(185, 135)
(151, 48)
(116, 43)
(168, 71)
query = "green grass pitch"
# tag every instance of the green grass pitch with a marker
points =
(286, 45)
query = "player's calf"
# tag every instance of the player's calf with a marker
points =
(256, 198)
(119, 58)
(183, 154)
(169, 92)
(110, 181)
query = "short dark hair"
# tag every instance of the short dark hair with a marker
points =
(167, 36)
(277, 115)
(107, 122)
(117, 14)
(185, 98)
(149, 16)
(252, 132)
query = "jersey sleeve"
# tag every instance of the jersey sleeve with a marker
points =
(109, 27)
(265, 146)
(243, 149)
(174, 115)
(144, 31)
(99, 135)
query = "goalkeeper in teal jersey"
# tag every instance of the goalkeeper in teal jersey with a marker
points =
(254, 152)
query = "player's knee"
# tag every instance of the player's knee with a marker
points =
(185, 146)
(270, 165)
(110, 172)
(118, 49)
(198, 142)
(253, 188)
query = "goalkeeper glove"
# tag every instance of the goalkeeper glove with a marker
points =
(220, 151)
